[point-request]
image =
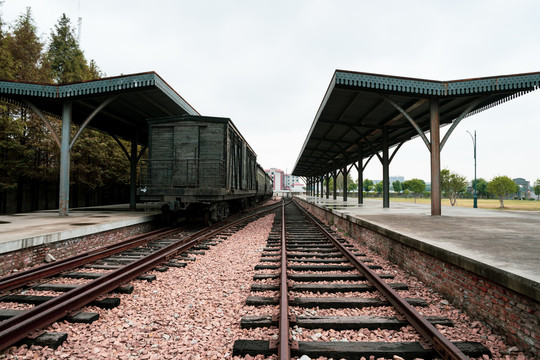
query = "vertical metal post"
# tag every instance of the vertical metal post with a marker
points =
(345, 173)
(360, 175)
(322, 186)
(475, 192)
(133, 160)
(386, 170)
(327, 186)
(63, 209)
(475, 202)
(435, 151)
(475, 199)
(334, 176)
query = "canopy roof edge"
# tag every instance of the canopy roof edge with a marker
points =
(357, 106)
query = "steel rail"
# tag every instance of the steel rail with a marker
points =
(21, 278)
(433, 337)
(18, 327)
(284, 351)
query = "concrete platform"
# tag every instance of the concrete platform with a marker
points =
(20, 231)
(494, 243)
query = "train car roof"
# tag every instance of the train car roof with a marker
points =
(200, 118)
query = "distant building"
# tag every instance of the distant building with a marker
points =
(298, 188)
(391, 179)
(284, 181)
(277, 177)
(291, 180)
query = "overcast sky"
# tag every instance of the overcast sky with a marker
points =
(267, 64)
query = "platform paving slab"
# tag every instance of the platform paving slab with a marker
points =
(21, 231)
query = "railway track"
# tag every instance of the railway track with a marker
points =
(106, 270)
(303, 256)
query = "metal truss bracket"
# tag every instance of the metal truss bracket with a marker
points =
(408, 117)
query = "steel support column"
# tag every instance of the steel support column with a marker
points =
(322, 186)
(328, 186)
(334, 176)
(386, 169)
(345, 173)
(63, 209)
(133, 161)
(435, 151)
(360, 175)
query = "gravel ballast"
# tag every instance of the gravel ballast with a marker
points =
(195, 312)
(187, 313)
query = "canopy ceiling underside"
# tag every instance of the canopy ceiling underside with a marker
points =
(137, 98)
(357, 106)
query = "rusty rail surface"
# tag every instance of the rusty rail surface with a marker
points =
(18, 327)
(284, 352)
(432, 336)
(21, 278)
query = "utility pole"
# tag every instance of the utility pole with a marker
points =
(475, 201)
(79, 24)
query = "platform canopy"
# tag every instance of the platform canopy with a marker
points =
(364, 114)
(130, 101)
(118, 105)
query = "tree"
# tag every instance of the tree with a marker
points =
(481, 187)
(28, 153)
(26, 50)
(452, 184)
(367, 185)
(352, 185)
(501, 186)
(396, 185)
(379, 187)
(340, 181)
(66, 59)
(416, 186)
(7, 67)
(25, 143)
(536, 188)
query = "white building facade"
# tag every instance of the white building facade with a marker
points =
(284, 181)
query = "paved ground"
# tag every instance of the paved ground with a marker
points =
(505, 240)
(29, 229)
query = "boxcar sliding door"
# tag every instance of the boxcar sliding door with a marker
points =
(186, 149)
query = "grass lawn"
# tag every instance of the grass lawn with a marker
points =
(482, 203)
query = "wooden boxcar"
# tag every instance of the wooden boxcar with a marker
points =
(203, 163)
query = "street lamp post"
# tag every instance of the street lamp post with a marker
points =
(475, 201)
